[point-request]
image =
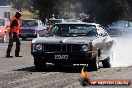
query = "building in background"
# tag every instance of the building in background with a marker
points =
(5, 11)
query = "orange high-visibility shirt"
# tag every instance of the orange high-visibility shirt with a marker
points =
(16, 28)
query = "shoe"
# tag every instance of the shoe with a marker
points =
(9, 56)
(18, 56)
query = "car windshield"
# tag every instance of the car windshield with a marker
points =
(29, 23)
(52, 22)
(74, 30)
(1, 22)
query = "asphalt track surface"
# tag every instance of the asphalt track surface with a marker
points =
(19, 72)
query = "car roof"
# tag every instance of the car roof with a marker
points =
(72, 20)
(55, 19)
(77, 23)
(29, 19)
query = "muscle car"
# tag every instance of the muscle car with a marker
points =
(32, 28)
(73, 43)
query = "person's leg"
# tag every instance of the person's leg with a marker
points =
(10, 45)
(17, 46)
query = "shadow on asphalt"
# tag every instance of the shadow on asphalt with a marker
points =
(53, 68)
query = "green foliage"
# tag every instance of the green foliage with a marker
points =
(103, 11)
(5, 2)
(25, 4)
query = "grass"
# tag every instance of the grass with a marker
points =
(25, 14)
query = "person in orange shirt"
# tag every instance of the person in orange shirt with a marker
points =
(14, 35)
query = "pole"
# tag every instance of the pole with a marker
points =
(20, 6)
(69, 6)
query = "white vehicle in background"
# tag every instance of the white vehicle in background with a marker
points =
(32, 28)
(72, 20)
(120, 28)
(54, 21)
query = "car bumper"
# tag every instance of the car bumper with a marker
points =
(28, 35)
(67, 57)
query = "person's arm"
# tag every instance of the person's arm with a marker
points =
(14, 23)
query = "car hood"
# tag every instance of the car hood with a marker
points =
(64, 40)
(1, 27)
(27, 28)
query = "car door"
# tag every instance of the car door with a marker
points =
(107, 43)
(100, 38)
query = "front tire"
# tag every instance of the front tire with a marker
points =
(40, 64)
(24, 38)
(106, 63)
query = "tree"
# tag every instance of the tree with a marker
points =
(46, 8)
(104, 11)
(4, 2)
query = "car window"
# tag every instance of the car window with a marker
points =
(1, 22)
(7, 22)
(75, 30)
(30, 23)
(52, 22)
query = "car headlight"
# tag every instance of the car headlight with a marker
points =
(85, 48)
(38, 47)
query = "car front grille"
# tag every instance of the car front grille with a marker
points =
(61, 48)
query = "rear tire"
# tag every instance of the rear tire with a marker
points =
(40, 64)
(24, 38)
(106, 63)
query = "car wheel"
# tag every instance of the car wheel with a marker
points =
(24, 38)
(106, 63)
(40, 64)
(94, 64)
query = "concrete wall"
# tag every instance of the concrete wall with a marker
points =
(5, 11)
